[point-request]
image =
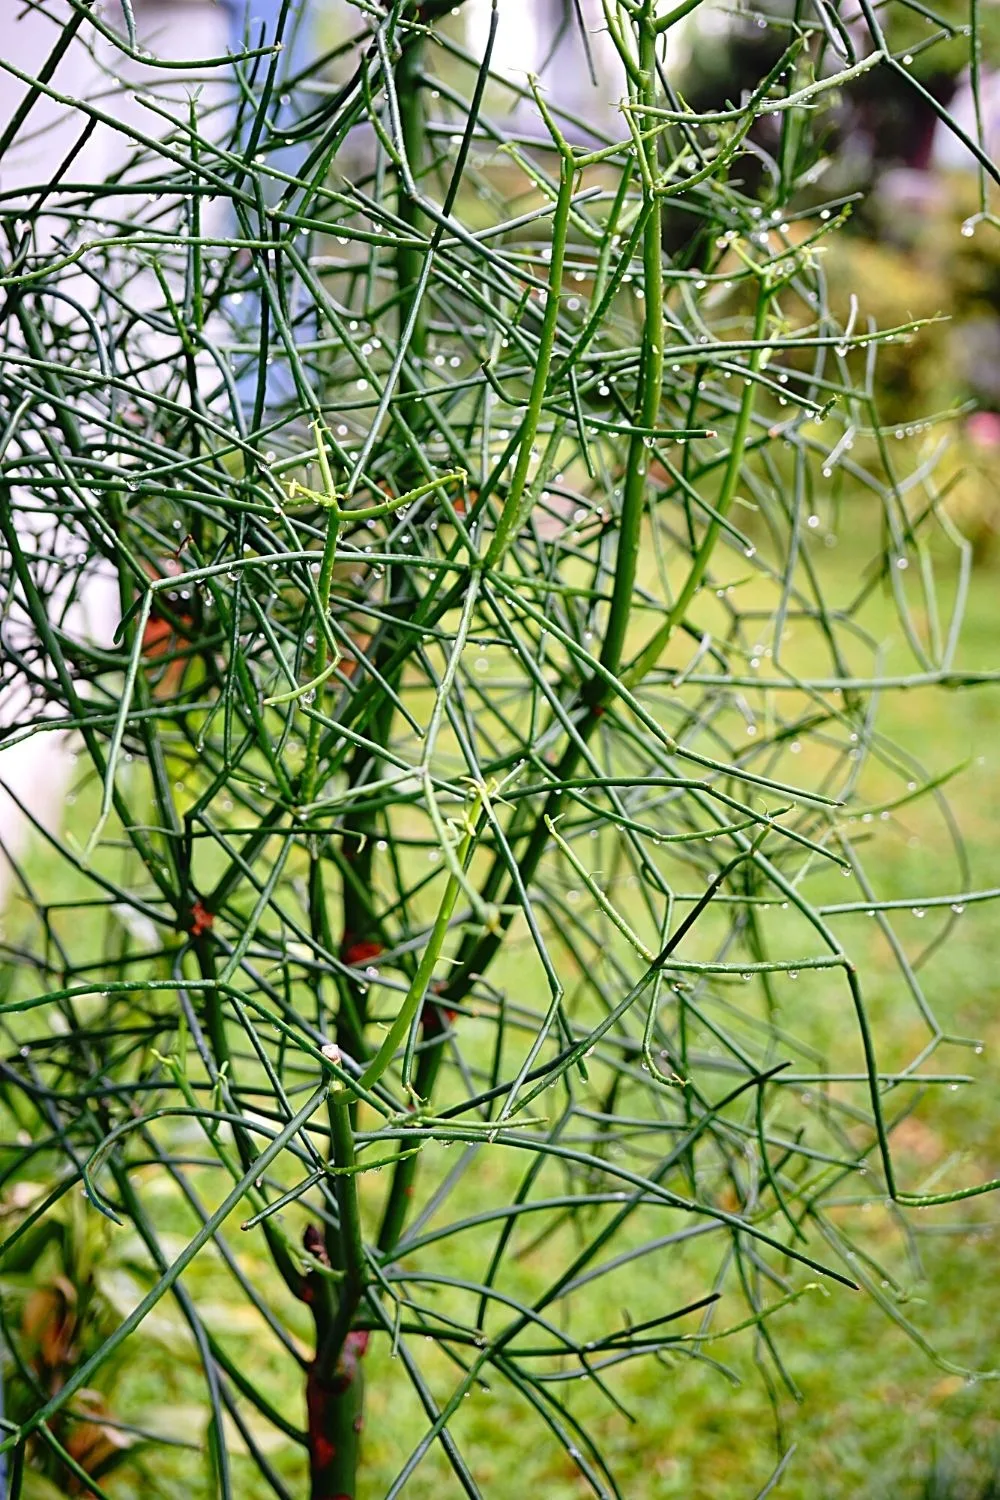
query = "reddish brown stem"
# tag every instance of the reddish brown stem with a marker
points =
(335, 1409)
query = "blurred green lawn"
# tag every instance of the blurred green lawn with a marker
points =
(877, 1417)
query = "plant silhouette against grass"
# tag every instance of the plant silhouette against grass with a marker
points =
(479, 742)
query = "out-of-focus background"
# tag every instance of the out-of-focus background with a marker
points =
(878, 1417)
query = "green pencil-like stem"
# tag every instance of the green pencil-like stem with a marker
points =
(654, 649)
(409, 257)
(320, 655)
(420, 983)
(429, 1059)
(350, 1242)
(650, 386)
(510, 516)
(476, 954)
(335, 1386)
